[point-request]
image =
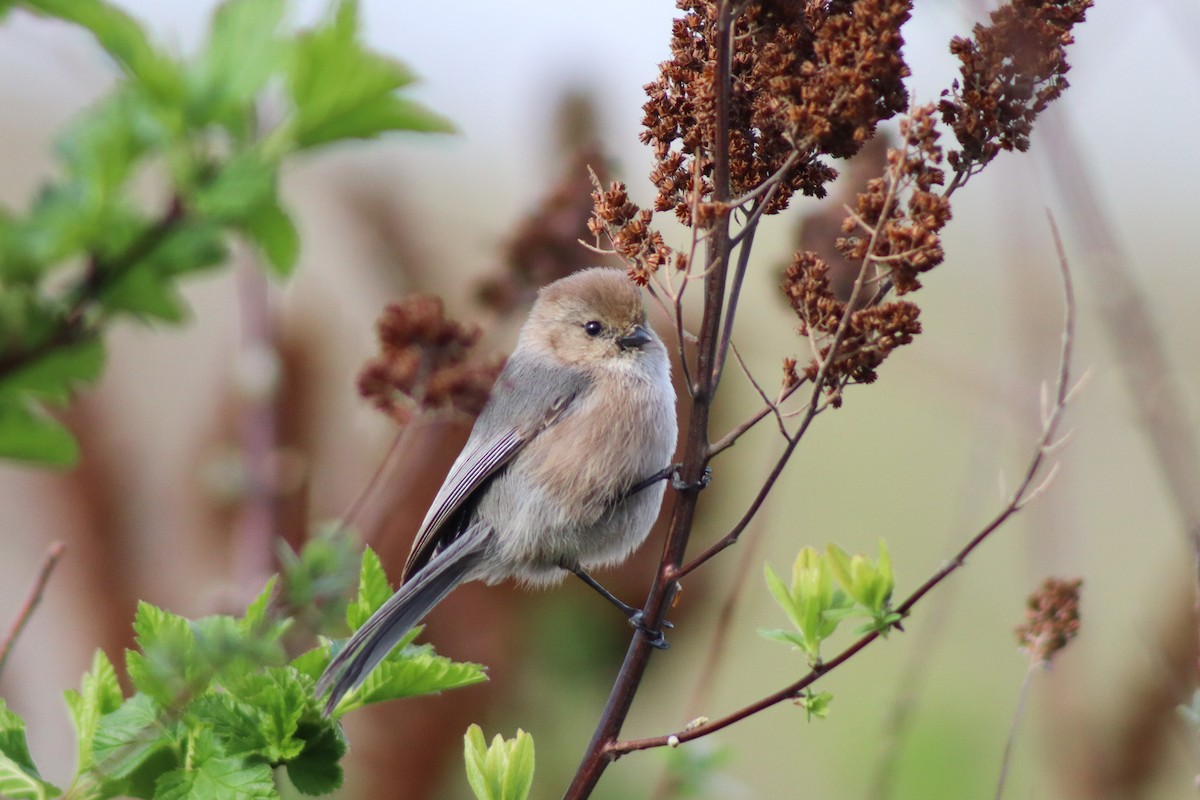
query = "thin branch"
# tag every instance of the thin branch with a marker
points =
(1006, 759)
(730, 439)
(1015, 503)
(773, 406)
(735, 292)
(31, 601)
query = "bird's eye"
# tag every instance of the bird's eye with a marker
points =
(592, 328)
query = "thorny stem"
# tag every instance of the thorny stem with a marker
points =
(600, 752)
(31, 601)
(1024, 493)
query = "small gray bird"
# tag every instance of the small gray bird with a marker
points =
(562, 472)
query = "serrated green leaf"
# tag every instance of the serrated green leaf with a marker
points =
(219, 778)
(272, 230)
(29, 435)
(243, 51)
(312, 662)
(373, 590)
(145, 295)
(99, 694)
(411, 672)
(127, 737)
(380, 115)
(102, 147)
(237, 724)
(147, 289)
(12, 738)
(317, 770)
(166, 668)
(341, 89)
(256, 613)
(124, 39)
(53, 377)
(279, 700)
(239, 188)
(18, 783)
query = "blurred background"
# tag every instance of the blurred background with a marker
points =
(159, 509)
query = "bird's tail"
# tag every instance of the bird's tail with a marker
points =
(371, 643)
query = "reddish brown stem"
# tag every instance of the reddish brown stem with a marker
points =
(600, 751)
(31, 601)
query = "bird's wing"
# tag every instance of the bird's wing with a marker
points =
(483, 456)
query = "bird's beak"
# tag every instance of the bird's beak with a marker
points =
(635, 339)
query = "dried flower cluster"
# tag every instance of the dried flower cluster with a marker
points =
(894, 237)
(1051, 619)
(628, 230)
(545, 246)
(902, 240)
(423, 362)
(807, 79)
(1011, 70)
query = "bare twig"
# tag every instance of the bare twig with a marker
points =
(31, 601)
(730, 438)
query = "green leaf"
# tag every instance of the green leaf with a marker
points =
(102, 147)
(312, 662)
(99, 694)
(373, 590)
(128, 737)
(278, 701)
(239, 188)
(815, 704)
(320, 577)
(379, 115)
(271, 229)
(787, 637)
(166, 669)
(145, 295)
(19, 778)
(317, 771)
(217, 778)
(255, 617)
(54, 376)
(341, 89)
(243, 51)
(147, 288)
(29, 435)
(124, 39)
(410, 672)
(503, 771)
(783, 597)
(870, 585)
(19, 783)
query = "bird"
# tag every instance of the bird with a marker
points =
(563, 472)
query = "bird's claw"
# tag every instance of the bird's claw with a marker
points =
(654, 637)
(680, 485)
